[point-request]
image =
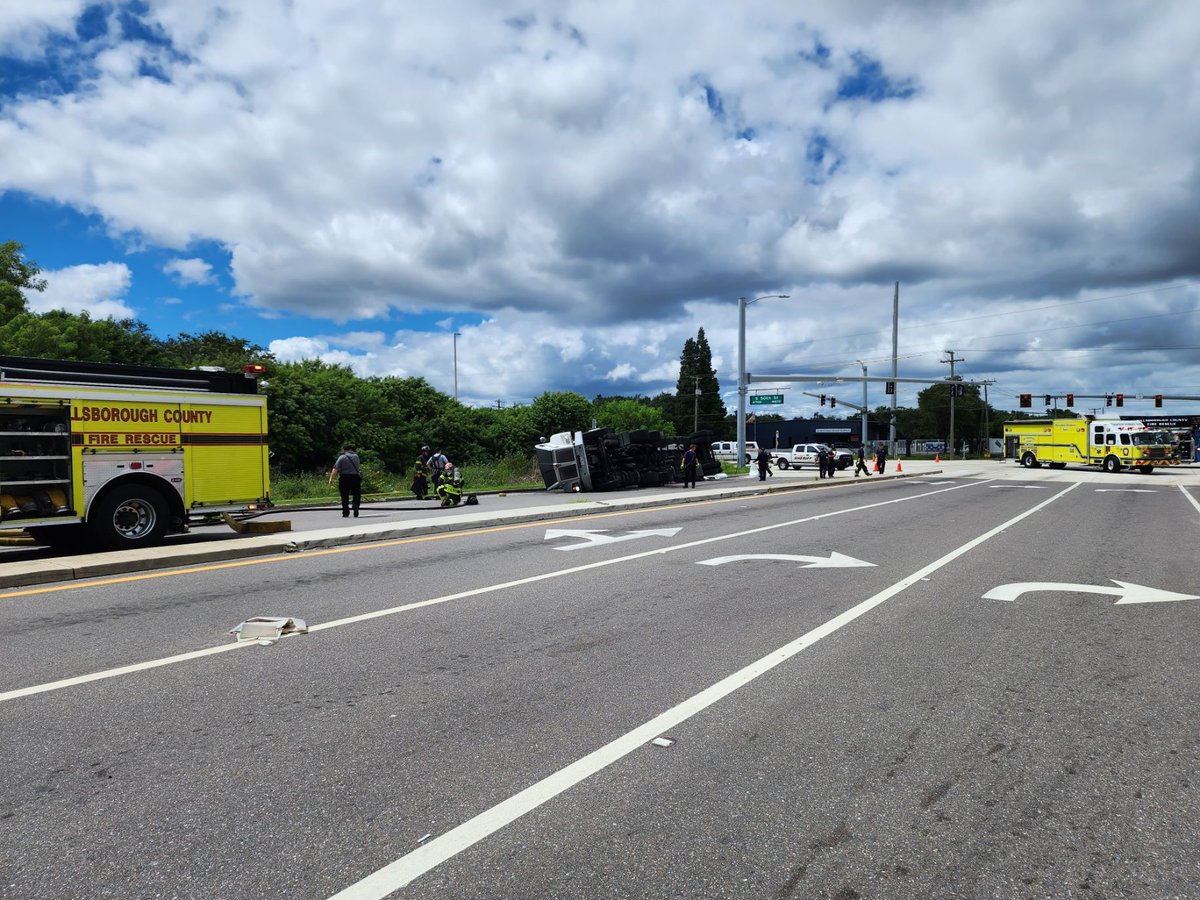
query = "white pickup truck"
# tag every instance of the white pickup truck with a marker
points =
(806, 455)
(727, 450)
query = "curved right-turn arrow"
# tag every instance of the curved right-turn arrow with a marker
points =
(1126, 592)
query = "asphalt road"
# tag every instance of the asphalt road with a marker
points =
(473, 714)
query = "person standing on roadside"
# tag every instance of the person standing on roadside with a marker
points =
(860, 464)
(437, 464)
(881, 456)
(348, 469)
(689, 466)
(822, 461)
(764, 463)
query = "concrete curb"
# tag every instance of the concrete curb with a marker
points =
(121, 562)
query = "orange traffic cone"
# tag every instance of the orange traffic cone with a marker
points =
(877, 464)
(937, 458)
(898, 469)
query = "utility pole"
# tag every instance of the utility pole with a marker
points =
(953, 388)
(895, 345)
(696, 407)
(987, 424)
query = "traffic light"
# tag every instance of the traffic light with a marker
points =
(1048, 399)
(1070, 399)
(822, 399)
(1120, 399)
(1108, 400)
(1026, 401)
(1158, 400)
(832, 402)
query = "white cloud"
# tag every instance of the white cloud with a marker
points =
(190, 271)
(94, 289)
(599, 200)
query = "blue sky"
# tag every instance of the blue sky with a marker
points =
(577, 188)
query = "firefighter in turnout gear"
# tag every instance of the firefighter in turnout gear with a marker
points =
(449, 489)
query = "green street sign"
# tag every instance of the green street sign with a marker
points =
(765, 399)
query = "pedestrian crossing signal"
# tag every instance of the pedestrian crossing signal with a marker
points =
(1026, 401)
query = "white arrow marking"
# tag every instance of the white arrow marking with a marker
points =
(1125, 491)
(1028, 487)
(1128, 593)
(596, 537)
(835, 560)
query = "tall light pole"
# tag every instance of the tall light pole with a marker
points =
(864, 414)
(742, 374)
(696, 406)
(457, 335)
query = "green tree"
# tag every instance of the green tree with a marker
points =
(630, 414)
(508, 432)
(313, 409)
(17, 274)
(213, 348)
(556, 411)
(705, 410)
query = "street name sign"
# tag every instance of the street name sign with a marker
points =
(765, 399)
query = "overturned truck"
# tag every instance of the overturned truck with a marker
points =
(607, 460)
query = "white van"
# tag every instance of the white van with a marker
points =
(727, 450)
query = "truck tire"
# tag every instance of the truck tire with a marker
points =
(782, 463)
(1112, 464)
(127, 517)
(1029, 461)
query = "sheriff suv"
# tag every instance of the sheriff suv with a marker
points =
(806, 455)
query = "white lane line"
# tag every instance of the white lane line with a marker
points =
(1191, 499)
(120, 670)
(475, 592)
(404, 870)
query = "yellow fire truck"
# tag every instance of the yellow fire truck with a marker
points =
(114, 457)
(1112, 444)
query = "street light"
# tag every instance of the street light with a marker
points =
(864, 415)
(457, 335)
(742, 375)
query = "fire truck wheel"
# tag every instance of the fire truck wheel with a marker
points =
(1029, 461)
(128, 516)
(1112, 464)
